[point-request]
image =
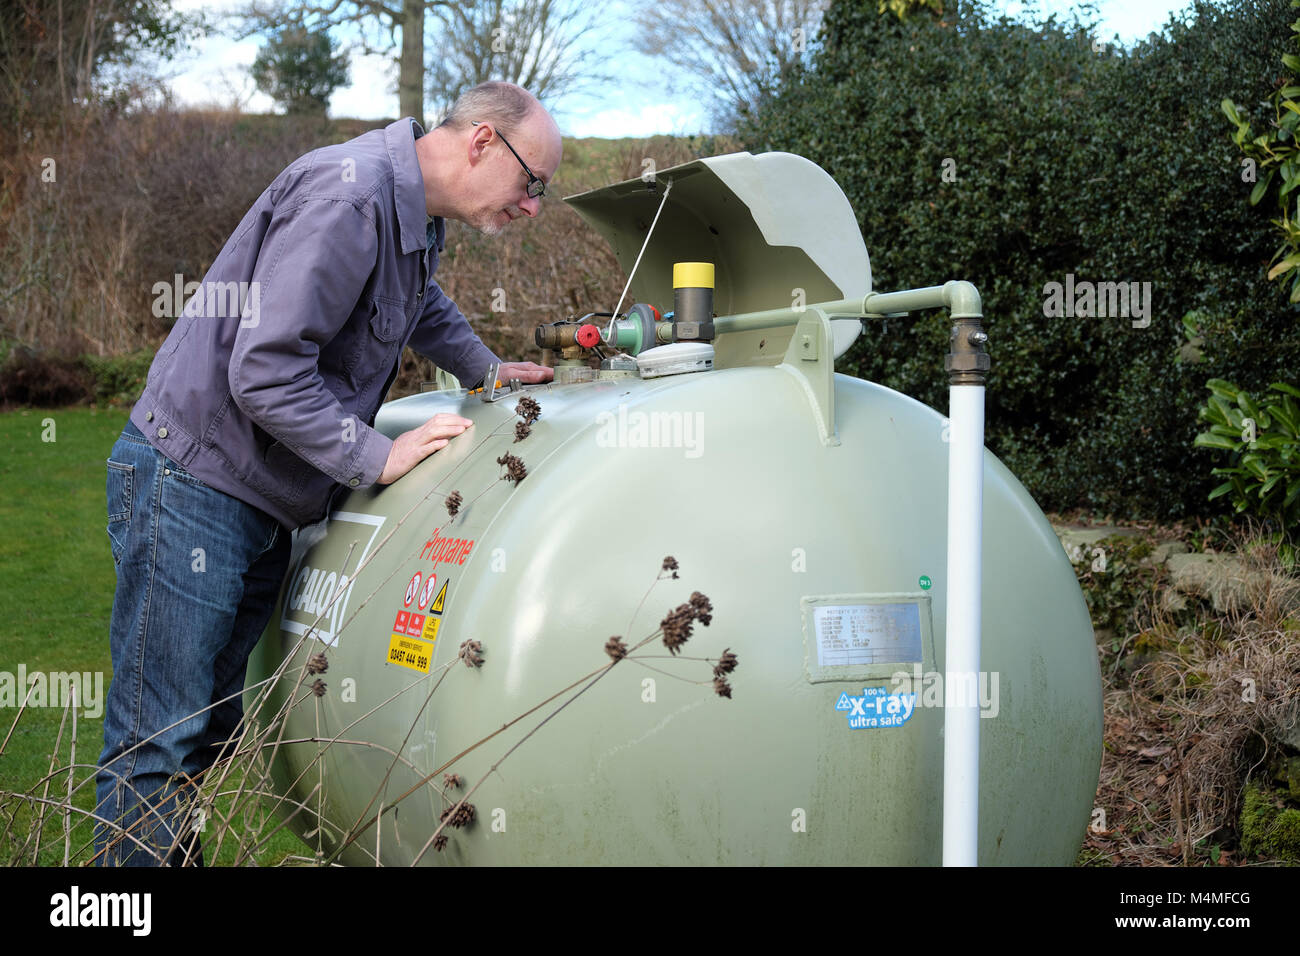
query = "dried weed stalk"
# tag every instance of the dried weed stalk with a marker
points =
(1209, 707)
(230, 811)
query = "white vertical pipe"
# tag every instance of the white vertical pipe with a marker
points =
(961, 715)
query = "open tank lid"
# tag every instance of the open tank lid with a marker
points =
(771, 224)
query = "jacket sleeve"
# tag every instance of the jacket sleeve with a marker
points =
(315, 261)
(443, 335)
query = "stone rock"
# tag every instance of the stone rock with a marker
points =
(1223, 578)
(1290, 735)
(1163, 551)
(1079, 542)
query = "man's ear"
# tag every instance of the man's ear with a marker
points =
(479, 137)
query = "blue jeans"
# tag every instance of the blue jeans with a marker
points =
(198, 573)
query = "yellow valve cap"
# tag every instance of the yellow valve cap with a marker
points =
(692, 275)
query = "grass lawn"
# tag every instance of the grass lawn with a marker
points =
(56, 597)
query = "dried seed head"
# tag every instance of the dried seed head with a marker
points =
(521, 431)
(472, 653)
(615, 648)
(515, 470)
(462, 815)
(721, 687)
(528, 410)
(317, 664)
(726, 663)
(677, 627)
(670, 564)
(318, 688)
(439, 842)
(453, 503)
(452, 780)
(703, 608)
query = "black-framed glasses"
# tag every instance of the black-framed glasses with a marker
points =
(536, 188)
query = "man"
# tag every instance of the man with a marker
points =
(259, 407)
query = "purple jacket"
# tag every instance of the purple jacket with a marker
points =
(269, 382)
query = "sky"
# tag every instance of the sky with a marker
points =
(216, 72)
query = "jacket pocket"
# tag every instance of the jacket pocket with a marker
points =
(388, 321)
(287, 472)
(365, 347)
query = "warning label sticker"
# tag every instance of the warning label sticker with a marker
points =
(414, 632)
(427, 593)
(413, 588)
(409, 652)
(441, 600)
(860, 634)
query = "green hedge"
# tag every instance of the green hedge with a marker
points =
(47, 378)
(1071, 157)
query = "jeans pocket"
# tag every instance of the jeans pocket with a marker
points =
(120, 488)
(179, 472)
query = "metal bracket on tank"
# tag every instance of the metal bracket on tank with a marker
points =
(493, 390)
(810, 357)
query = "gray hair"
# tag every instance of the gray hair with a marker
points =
(502, 104)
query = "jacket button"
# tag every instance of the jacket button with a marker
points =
(148, 416)
(162, 433)
(354, 482)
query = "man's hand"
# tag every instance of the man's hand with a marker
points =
(411, 448)
(529, 372)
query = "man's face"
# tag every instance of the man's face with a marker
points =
(501, 185)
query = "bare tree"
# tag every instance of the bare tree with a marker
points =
(382, 26)
(546, 46)
(741, 49)
(549, 47)
(55, 53)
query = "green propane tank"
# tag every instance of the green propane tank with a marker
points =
(514, 611)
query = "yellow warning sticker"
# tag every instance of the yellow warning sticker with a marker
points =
(409, 652)
(431, 628)
(440, 600)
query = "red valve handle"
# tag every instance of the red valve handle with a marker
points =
(588, 336)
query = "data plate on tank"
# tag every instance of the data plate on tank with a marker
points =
(850, 637)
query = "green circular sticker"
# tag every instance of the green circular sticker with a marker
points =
(924, 582)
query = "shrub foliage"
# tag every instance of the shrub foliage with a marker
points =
(1263, 473)
(1020, 154)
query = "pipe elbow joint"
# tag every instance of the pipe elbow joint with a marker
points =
(963, 300)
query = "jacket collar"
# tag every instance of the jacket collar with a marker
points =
(408, 185)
